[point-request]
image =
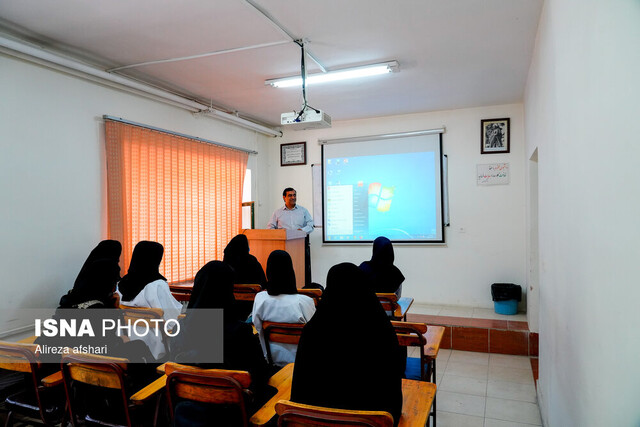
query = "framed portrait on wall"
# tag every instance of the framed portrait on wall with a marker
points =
(494, 136)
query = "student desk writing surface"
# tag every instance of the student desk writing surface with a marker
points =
(417, 397)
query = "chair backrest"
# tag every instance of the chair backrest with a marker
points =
(134, 313)
(284, 333)
(209, 386)
(246, 291)
(412, 334)
(312, 293)
(181, 296)
(297, 414)
(389, 301)
(390, 304)
(153, 317)
(17, 357)
(101, 372)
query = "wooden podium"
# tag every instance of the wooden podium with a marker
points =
(263, 242)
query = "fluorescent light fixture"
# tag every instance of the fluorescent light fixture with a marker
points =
(331, 76)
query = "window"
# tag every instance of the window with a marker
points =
(181, 192)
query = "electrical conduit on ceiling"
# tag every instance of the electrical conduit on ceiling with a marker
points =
(31, 52)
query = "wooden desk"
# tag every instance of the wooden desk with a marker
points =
(397, 308)
(283, 376)
(404, 304)
(28, 340)
(434, 336)
(417, 397)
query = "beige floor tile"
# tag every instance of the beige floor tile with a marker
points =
(469, 357)
(429, 309)
(443, 356)
(450, 419)
(512, 391)
(467, 370)
(464, 385)
(520, 362)
(459, 403)
(456, 311)
(489, 422)
(514, 375)
(512, 410)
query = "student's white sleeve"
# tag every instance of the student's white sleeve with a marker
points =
(308, 308)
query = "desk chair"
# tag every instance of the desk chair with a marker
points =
(246, 292)
(207, 386)
(101, 380)
(313, 293)
(284, 333)
(297, 414)
(34, 400)
(397, 307)
(181, 296)
(412, 334)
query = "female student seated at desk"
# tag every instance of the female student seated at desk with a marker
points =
(144, 286)
(246, 268)
(383, 275)
(241, 348)
(108, 250)
(349, 364)
(282, 303)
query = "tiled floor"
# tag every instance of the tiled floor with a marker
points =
(470, 312)
(485, 390)
(482, 389)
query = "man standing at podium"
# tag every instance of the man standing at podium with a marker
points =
(294, 217)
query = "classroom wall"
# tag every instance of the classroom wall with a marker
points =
(486, 239)
(52, 175)
(581, 110)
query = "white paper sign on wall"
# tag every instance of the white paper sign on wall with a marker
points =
(493, 174)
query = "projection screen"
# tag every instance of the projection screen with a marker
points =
(383, 185)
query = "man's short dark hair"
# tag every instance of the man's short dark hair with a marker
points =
(286, 190)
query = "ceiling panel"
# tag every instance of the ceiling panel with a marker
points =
(452, 54)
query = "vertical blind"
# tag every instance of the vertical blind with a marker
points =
(174, 190)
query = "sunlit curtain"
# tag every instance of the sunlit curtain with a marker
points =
(181, 192)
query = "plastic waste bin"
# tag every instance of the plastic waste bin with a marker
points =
(506, 297)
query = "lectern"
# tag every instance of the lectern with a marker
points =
(263, 242)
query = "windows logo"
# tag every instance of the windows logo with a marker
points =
(380, 197)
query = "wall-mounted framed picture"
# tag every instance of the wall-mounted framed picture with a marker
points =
(494, 136)
(294, 153)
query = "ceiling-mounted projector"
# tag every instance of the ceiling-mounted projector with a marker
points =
(309, 119)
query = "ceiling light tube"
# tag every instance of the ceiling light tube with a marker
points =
(331, 76)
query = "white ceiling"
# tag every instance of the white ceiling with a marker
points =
(452, 53)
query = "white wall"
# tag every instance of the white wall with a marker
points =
(582, 115)
(486, 240)
(52, 174)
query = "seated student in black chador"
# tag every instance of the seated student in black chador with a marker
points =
(107, 250)
(384, 276)
(144, 286)
(246, 268)
(94, 290)
(213, 286)
(349, 367)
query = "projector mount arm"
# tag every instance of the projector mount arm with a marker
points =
(303, 73)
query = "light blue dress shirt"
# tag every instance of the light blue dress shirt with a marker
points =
(292, 219)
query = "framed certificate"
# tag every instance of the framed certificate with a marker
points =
(294, 153)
